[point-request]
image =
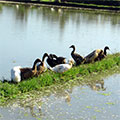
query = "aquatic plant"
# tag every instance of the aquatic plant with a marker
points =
(11, 91)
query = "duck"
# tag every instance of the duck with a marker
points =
(41, 67)
(102, 54)
(18, 73)
(77, 58)
(54, 60)
(96, 55)
(59, 60)
(61, 68)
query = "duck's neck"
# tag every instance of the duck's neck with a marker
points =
(35, 64)
(44, 58)
(35, 69)
(73, 50)
(105, 51)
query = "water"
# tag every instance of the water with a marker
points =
(28, 32)
(96, 101)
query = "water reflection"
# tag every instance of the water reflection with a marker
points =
(35, 100)
(34, 105)
(62, 16)
(97, 86)
(69, 101)
(0, 8)
(21, 12)
(64, 95)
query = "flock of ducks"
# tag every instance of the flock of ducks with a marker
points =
(56, 64)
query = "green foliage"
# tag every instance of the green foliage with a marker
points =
(92, 5)
(10, 91)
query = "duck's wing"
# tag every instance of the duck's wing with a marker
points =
(77, 56)
(53, 56)
(51, 62)
(26, 73)
(89, 56)
(60, 68)
(61, 60)
(25, 69)
(57, 58)
(54, 60)
(92, 56)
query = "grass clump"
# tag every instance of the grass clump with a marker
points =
(10, 91)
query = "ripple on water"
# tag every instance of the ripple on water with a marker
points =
(76, 102)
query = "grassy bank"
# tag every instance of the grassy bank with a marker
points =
(10, 91)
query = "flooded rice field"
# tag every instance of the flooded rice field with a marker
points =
(28, 32)
(95, 101)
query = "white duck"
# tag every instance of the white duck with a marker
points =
(18, 73)
(62, 67)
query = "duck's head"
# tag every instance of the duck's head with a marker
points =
(35, 63)
(37, 60)
(107, 48)
(72, 46)
(44, 56)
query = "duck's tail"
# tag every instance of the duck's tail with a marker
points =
(15, 74)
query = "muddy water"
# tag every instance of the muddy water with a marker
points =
(28, 32)
(96, 101)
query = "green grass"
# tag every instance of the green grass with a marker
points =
(11, 91)
(45, 0)
(94, 5)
